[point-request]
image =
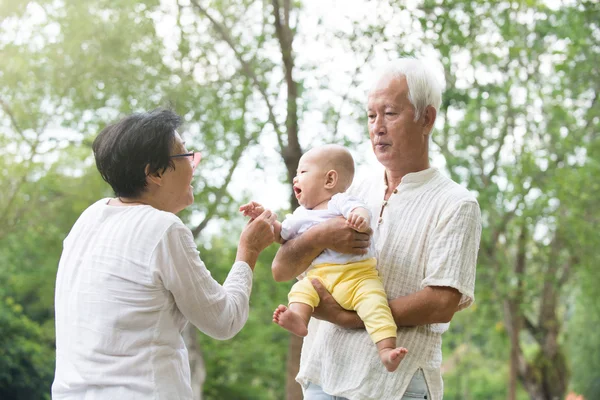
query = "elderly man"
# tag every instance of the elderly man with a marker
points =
(427, 234)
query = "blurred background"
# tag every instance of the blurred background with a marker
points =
(258, 82)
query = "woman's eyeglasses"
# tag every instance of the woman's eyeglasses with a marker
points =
(194, 157)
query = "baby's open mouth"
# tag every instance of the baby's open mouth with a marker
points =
(297, 191)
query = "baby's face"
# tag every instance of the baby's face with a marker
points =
(309, 183)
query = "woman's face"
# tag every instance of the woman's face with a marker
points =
(177, 182)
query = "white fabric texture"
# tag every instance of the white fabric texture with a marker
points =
(129, 279)
(429, 236)
(302, 219)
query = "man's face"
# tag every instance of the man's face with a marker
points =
(395, 136)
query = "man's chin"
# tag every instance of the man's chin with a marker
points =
(382, 155)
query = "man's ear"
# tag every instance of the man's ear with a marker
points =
(428, 119)
(154, 177)
(331, 179)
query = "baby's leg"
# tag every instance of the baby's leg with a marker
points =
(371, 304)
(302, 298)
(295, 318)
(389, 354)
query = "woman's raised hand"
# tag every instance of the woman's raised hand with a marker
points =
(255, 237)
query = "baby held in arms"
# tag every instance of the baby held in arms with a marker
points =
(323, 175)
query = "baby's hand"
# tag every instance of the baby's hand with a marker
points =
(252, 209)
(358, 223)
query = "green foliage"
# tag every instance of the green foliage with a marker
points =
(583, 344)
(252, 364)
(520, 120)
(519, 126)
(26, 355)
(41, 213)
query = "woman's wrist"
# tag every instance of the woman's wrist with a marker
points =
(248, 256)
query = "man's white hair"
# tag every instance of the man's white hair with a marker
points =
(423, 87)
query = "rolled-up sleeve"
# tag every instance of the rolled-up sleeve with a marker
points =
(219, 311)
(453, 251)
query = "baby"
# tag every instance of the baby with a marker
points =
(323, 175)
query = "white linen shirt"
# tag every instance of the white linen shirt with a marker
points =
(428, 236)
(129, 279)
(340, 204)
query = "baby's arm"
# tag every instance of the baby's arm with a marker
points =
(253, 210)
(359, 219)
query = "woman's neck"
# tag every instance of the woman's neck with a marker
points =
(139, 200)
(126, 201)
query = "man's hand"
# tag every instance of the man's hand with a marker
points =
(295, 256)
(252, 209)
(343, 238)
(331, 311)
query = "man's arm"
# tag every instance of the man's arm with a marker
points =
(431, 305)
(295, 256)
(438, 300)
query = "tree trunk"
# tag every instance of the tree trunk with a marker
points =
(546, 376)
(197, 368)
(514, 352)
(291, 154)
(293, 391)
(513, 311)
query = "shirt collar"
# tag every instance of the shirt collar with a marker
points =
(415, 177)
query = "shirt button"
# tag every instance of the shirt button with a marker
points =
(379, 221)
(395, 191)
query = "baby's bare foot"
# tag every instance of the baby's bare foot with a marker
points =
(391, 357)
(289, 320)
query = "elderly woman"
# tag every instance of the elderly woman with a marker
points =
(130, 276)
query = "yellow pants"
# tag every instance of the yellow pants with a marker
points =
(356, 286)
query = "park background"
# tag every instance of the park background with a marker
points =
(258, 82)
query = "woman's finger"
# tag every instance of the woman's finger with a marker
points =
(272, 218)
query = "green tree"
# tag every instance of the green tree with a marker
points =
(519, 126)
(520, 120)
(26, 366)
(253, 364)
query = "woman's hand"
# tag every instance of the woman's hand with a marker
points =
(255, 237)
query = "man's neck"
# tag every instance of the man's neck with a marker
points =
(394, 176)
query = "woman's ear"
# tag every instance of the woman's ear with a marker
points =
(331, 179)
(154, 177)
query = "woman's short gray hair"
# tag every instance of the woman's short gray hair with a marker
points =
(423, 87)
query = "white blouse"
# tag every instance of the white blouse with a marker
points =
(129, 279)
(428, 235)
